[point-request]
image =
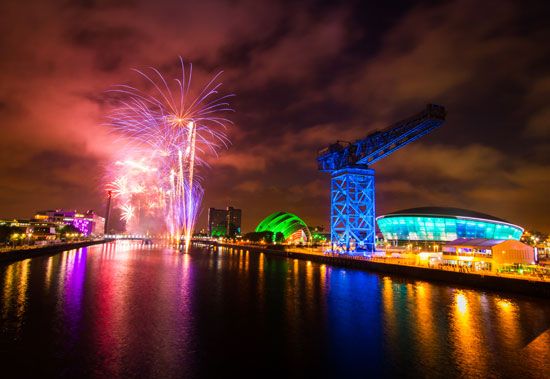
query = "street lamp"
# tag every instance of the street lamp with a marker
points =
(13, 238)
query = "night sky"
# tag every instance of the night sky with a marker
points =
(305, 74)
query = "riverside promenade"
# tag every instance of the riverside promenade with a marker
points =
(30, 252)
(529, 286)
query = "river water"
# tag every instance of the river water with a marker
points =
(126, 310)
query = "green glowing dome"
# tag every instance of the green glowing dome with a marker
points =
(284, 222)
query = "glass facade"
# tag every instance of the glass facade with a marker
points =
(440, 228)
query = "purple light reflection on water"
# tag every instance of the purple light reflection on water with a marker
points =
(129, 310)
(71, 293)
(141, 320)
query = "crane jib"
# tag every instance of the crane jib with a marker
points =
(352, 188)
(380, 144)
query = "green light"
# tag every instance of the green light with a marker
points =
(218, 232)
(283, 222)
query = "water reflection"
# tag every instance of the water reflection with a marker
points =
(122, 310)
(111, 326)
(8, 288)
(22, 278)
(390, 321)
(49, 268)
(507, 313)
(261, 279)
(470, 351)
(15, 294)
(70, 294)
(424, 320)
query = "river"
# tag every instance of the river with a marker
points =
(123, 310)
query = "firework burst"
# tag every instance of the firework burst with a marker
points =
(167, 136)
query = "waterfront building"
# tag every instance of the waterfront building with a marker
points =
(217, 222)
(224, 222)
(488, 254)
(233, 221)
(88, 223)
(292, 227)
(438, 224)
(29, 230)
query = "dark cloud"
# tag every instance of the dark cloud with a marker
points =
(61, 177)
(99, 4)
(109, 44)
(305, 74)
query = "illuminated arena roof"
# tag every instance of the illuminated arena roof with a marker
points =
(284, 222)
(444, 224)
(447, 211)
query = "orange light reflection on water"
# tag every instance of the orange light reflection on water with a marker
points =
(388, 298)
(8, 290)
(49, 267)
(508, 323)
(15, 291)
(22, 284)
(261, 281)
(425, 323)
(467, 335)
(309, 279)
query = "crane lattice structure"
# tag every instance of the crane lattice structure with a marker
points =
(352, 216)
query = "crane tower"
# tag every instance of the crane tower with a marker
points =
(352, 217)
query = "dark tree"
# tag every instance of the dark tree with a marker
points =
(266, 236)
(279, 237)
(6, 231)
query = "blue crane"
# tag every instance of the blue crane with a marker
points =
(352, 207)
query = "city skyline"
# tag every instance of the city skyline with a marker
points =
(305, 76)
(317, 188)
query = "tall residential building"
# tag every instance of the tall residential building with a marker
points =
(224, 222)
(233, 221)
(217, 222)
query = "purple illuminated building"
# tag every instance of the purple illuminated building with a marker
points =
(84, 225)
(87, 223)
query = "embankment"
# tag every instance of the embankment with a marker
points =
(483, 282)
(17, 255)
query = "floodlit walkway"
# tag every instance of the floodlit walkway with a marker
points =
(26, 251)
(462, 269)
(8, 249)
(310, 251)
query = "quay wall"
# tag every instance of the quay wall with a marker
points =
(477, 281)
(17, 255)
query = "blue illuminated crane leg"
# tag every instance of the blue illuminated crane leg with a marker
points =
(353, 210)
(352, 187)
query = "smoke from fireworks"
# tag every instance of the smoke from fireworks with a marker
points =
(167, 135)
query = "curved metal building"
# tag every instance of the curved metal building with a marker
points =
(284, 222)
(444, 224)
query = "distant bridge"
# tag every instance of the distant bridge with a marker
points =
(129, 237)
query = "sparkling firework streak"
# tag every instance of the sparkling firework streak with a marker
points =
(167, 133)
(127, 211)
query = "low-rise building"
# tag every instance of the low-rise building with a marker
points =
(488, 254)
(88, 223)
(27, 231)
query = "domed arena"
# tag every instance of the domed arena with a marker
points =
(292, 227)
(444, 224)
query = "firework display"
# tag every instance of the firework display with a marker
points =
(165, 134)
